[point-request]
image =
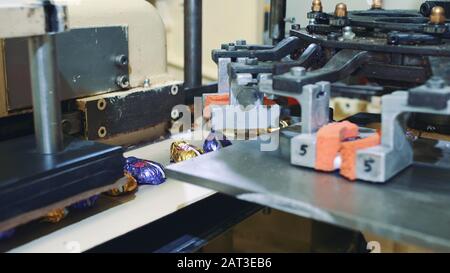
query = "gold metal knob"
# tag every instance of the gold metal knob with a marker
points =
(377, 4)
(437, 15)
(341, 10)
(316, 6)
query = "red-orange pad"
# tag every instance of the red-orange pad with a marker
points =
(349, 151)
(214, 99)
(329, 140)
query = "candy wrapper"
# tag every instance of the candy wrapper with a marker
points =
(85, 204)
(7, 234)
(145, 172)
(181, 151)
(56, 216)
(214, 142)
(129, 187)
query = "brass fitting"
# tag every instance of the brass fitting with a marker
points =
(377, 4)
(341, 10)
(437, 16)
(316, 6)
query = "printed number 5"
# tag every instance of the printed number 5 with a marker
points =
(368, 164)
(303, 150)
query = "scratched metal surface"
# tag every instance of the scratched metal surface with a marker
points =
(414, 207)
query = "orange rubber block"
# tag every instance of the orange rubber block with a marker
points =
(215, 99)
(329, 141)
(349, 151)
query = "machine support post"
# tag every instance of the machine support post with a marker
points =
(46, 103)
(277, 22)
(193, 43)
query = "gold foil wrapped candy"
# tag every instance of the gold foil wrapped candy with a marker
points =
(181, 151)
(129, 187)
(56, 215)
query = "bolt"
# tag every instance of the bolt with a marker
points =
(377, 4)
(437, 16)
(341, 10)
(296, 27)
(436, 82)
(332, 36)
(251, 61)
(174, 90)
(121, 60)
(316, 6)
(147, 82)
(348, 33)
(298, 71)
(122, 81)
(241, 42)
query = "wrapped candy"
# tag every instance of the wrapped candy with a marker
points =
(214, 142)
(129, 187)
(145, 172)
(56, 215)
(181, 151)
(85, 204)
(7, 234)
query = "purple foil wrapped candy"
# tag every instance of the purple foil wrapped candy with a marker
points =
(7, 234)
(214, 142)
(145, 172)
(85, 204)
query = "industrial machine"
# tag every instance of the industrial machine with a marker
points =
(394, 60)
(79, 82)
(76, 81)
(349, 49)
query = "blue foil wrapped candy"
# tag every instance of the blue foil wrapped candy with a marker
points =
(7, 234)
(145, 172)
(85, 204)
(215, 142)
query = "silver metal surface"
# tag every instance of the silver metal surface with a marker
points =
(314, 100)
(86, 64)
(381, 163)
(413, 207)
(46, 103)
(192, 43)
(223, 84)
(244, 91)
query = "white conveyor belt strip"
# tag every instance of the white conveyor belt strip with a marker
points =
(151, 203)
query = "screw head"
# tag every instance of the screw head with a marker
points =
(298, 71)
(251, 61)
(123, 81)
(147, 82)
(295, 27)
(121, 60)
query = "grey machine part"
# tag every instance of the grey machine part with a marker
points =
(193, 43)
(46, 103)
(314, 100)
(277, 22)
(88, 61)
(380, 163)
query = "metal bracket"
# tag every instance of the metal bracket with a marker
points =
(342, 65)
(380, 163)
